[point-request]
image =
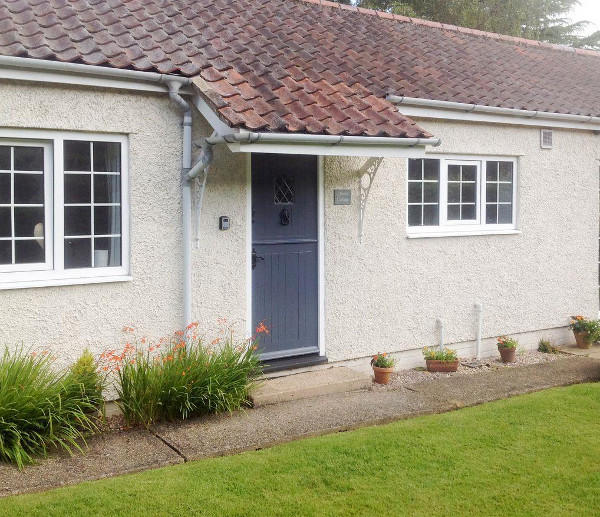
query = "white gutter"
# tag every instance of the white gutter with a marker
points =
(471, 109)
(328, 140)
(41, 70)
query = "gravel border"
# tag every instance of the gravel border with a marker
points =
(404, 378)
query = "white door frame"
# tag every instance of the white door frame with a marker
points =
(321, 248)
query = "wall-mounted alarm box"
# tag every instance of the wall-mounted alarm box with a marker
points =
(223, 222)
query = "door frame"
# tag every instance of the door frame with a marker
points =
(320, 247)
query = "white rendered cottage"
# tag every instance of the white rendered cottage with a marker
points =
(163, 162)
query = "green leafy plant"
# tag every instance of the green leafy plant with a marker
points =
(580, 324)
(181, 376)
(91, 383)
(40, 408)
(507, 342)
(383, 361)
(434, 353)
(546, 346)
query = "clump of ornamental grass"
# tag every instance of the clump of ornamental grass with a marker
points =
(85, 374)
(182, 376)
(546, 346)
(40, 408)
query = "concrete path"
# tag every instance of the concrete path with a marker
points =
(130, 451)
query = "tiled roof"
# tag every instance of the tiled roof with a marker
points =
(305, 65)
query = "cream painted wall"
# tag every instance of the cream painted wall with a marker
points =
(382, 294)
(66, 319)
(385, 293)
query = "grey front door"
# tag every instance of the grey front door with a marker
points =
(285, 253)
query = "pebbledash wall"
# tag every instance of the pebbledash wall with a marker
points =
(387, 293)
(382, 294)
(66, 319)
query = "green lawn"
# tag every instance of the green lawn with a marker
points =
(537, 454)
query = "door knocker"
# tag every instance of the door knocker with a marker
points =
(285, 217)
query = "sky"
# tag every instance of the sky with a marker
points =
(588, 10)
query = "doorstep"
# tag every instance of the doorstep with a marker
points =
(593, 352)
(310, 384)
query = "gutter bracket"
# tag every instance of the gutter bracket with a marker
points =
(364, 183)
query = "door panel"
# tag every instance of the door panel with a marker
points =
(285, 253)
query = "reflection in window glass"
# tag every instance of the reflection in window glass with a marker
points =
(499, 192)
(423, 192)
(22, 214)
(92, 204)
(462, 192)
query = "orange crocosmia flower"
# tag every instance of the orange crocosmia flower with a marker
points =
(179, 333)
(262, 328)
(215, 341)
(182, 373)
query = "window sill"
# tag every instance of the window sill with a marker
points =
(55, 282)
(427, 235)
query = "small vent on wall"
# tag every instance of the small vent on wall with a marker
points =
(547, 137)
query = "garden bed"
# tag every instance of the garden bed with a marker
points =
(414, 376)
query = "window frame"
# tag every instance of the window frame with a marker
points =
(47, 265)
(468, 227)
(55, 272)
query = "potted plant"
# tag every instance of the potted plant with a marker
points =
(508, 348)
(383, 366)
(440, 360)
(586, 331)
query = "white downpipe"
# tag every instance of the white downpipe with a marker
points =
(186, 198)
(440, 323)
(491, 110)
(479, 308)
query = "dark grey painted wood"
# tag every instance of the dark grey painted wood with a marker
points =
(285, 248)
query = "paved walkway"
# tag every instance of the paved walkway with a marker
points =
(130, 451)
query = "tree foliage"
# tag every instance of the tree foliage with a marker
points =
(545, 20)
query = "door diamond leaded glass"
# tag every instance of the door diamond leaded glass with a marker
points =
(284, 190)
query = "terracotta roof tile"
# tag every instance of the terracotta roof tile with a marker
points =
(305, 65)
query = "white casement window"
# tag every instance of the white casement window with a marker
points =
(63, 208)
(451, 196)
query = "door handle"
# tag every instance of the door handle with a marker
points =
(255, 258)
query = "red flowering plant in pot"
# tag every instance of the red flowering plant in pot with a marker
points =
(586, 331)
(440, 359)
(383, 366)
(508, 348)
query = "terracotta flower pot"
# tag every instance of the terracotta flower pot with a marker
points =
(382, 375)
(581, 339)
(507, 354)
(434, 365)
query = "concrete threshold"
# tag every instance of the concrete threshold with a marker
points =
(310, 384)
